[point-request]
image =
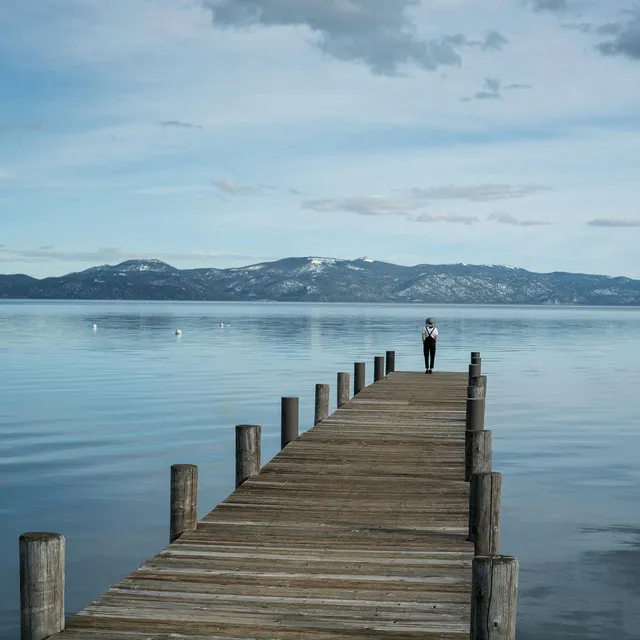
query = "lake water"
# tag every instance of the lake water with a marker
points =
(91, 421)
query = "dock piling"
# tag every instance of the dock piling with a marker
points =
(477, 453)
(378, 368)
(484, 513)
(358, 377)
(390, 361)
(248, 451)
(494, 602)
(184, 500)
(474, 417)
(475, 370)
(322, 403)
(343, 388)
(289, 419)
(42, 566)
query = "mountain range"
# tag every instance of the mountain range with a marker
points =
(328, 280)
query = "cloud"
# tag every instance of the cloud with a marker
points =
(614, 222)
(179, 189)
(386, 206)
(506, 218)
(548, 5)
(178, 124)
(233, 188)
(452, 218)
(625, 40)
(110, 255)
(365, 205)
(492, 87)
(378, 33)
(479, 193)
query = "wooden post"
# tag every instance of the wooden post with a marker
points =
(289, 417)
(484, 513)
(184, 500)
(248, 451)
(343, 388)
(475, 355)
(390, 365)
(475, 370)
(474, 418)
(358, 377)
(42, 559)
(322, 403)
(477, 457)
(483, 382)
(494, 601)
(378, 368)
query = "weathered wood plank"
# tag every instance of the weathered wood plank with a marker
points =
(356, 530)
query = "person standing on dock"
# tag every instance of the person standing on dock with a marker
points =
(429, 339)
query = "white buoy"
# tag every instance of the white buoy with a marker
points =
(178, 332)
(94, 326)
(222, 325)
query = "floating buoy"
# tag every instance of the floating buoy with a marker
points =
(178, 332)
(94, 326)
(222, 325)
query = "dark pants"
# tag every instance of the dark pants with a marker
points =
(429, 351)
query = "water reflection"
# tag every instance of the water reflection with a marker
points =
(90, 422)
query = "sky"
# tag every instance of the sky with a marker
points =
(229, 132)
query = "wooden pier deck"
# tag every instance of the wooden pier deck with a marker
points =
(356, 530)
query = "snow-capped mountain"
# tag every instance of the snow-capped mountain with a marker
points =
(328, 280)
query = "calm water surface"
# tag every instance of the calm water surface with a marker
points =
(90, 422)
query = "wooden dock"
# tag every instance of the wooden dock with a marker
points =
(358, 529)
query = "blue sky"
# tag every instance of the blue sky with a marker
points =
(220, 133)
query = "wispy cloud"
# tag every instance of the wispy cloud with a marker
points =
(614, 222)
(506, 218)
(387, 206)
(444, 216)
(365, 205)
(548, 5)
(113, 255)
(179, 124)
(493, 90)
(479, 192)
(379, 33)
(173, 190)
(233, 188)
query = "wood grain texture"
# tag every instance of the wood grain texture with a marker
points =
(42, 574)
(495, 598)
(357, 529)
(248, 451)
(183, 510)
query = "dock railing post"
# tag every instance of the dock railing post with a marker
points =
(358, 377)
(343, 388)
(322, 403)
(484, 513)
(183, 502)
(378, 368)
(42, 565)
(475, 370)
(289, 419)
(390, 362)
(474, 417)
(494, 600)
(248, 451)
(477, 453)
